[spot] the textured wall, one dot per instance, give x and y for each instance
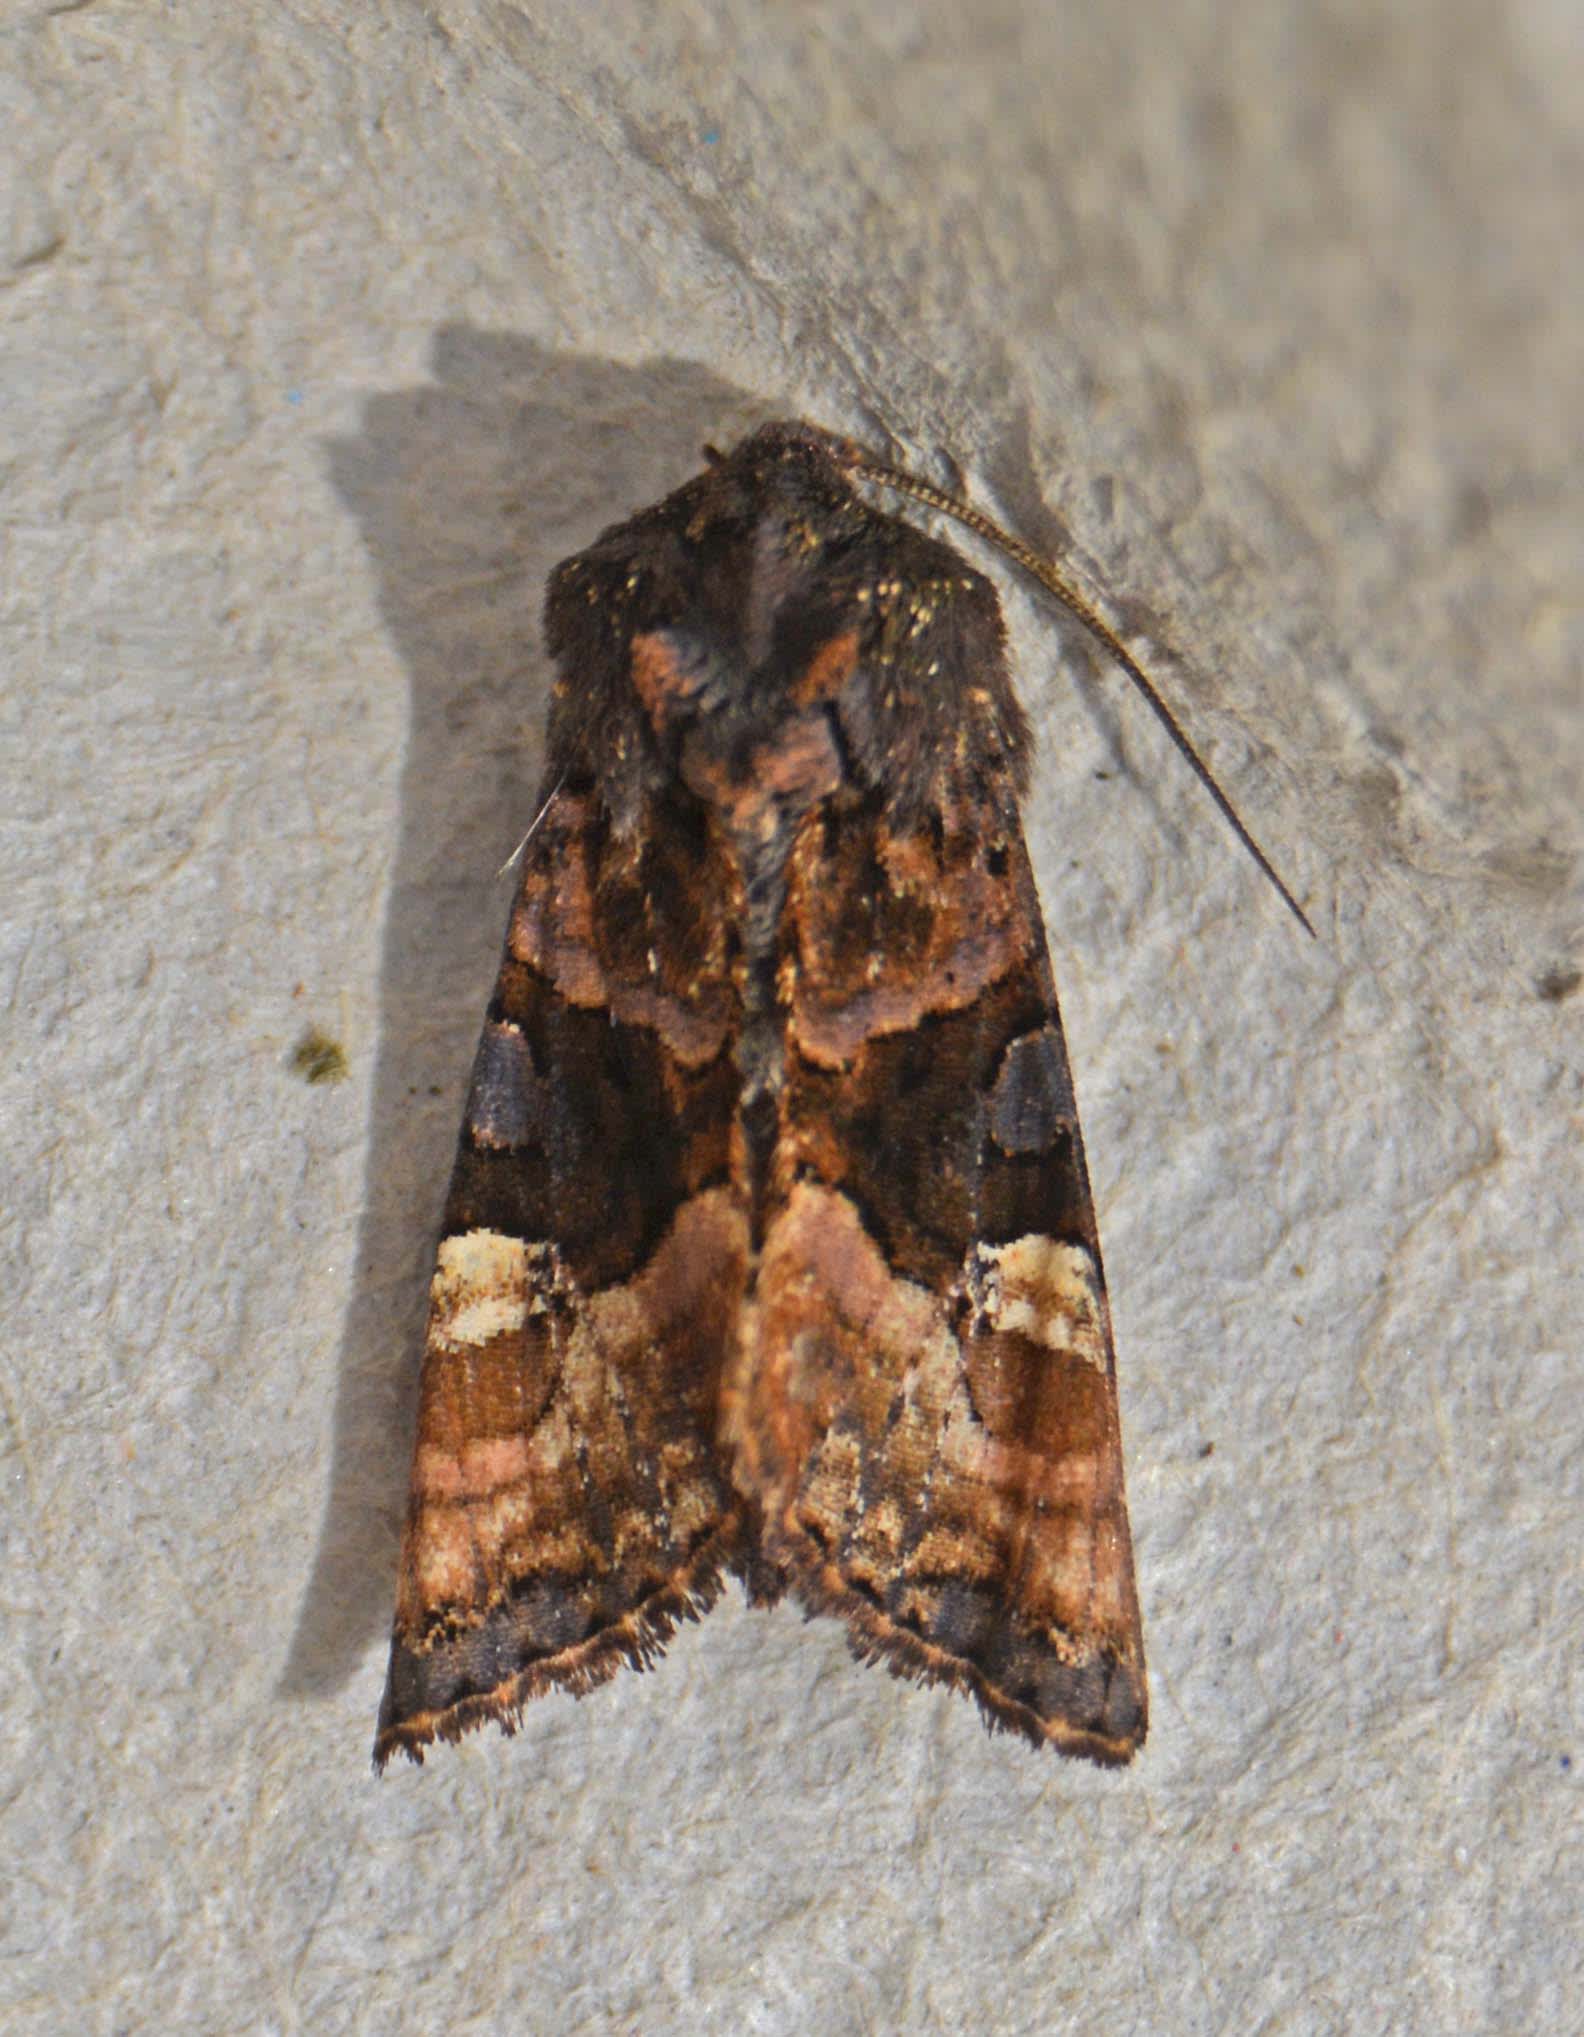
(326, 329)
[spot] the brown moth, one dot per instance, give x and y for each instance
(770, 1247)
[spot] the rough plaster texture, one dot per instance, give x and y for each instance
(326, 329)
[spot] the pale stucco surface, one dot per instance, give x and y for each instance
(325, 330)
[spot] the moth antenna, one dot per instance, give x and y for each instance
(533, 826)
(870, 467)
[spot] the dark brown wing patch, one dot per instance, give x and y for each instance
(924, 1403)
(568, 1500)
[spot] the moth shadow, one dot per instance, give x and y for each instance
(468, 489)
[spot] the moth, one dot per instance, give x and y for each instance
(770, 1248)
